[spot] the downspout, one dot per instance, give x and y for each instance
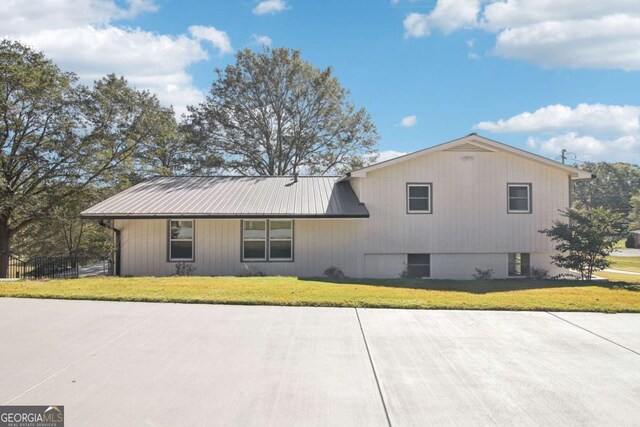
(118, 244)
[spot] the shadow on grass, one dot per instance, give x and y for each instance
(475, 286)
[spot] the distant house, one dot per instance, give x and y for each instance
(440, 212)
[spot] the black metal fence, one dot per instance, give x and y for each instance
(54, 267)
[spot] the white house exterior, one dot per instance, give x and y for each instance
(441, 213)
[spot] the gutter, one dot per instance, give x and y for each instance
(118, 244)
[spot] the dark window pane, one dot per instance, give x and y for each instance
(519, 191)
(181, 229)
(418, 259)
(418, 204)
(519, 205)
(280, 249)
(280, 229)
(418, 265)
(254, 250)
(181, 250)
(519, 264)
(421, 191)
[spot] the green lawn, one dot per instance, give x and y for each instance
(625, 263)
(396, 293)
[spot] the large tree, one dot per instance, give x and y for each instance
(273, 113)
(58, 137)
(612, 187)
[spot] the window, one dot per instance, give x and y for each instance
(254, 240)
(418, 198)
(280, 240)
(181, 240)
(519, 264)
(519, 198)
(277, 233)
(418, 265)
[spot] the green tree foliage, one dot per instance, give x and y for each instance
(634, 215)
(613, 187)
(58, 137)
(273, 113)
(586, 239)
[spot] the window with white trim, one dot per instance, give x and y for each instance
(419, 198)
(181, 240)
(280, 240)
(519, 198)
(519, 264)
(254, 240)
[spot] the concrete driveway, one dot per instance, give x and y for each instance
(126, 364)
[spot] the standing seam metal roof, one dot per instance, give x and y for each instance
(234, 196)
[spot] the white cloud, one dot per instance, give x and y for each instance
(408, 122)
(448, 15)
(589, 148)
(388, 155)
(269, 6)
(217, 38)
(592, 118)
(591, 131)
(553, 33)
(264, 41)
(80, 36)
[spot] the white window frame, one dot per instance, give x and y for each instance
(430, 198)
(192, 240)
(290, 240)
(265, 240)
(529, 191)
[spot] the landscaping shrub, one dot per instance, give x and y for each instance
(185, 269)
(334, 273)
(483, 274)
(539, 273)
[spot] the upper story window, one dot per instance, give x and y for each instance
(519, 198)
(181, 240)
(267, 240)
(419, 198)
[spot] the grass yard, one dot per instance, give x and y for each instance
(625, 263)
(394, 293)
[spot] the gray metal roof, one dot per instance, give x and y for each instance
(233, 196)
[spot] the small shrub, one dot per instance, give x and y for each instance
(249, 271)
(334, 273)
(483, 274)
(630, 242)
(185, 269)
(539, 273)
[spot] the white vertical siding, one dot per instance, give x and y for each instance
(469, 226)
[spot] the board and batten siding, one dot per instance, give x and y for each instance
(318, 244)
(469, 205)
(469, 225)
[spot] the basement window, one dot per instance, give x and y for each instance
(418, 265)
(181, 240)
(519, 264)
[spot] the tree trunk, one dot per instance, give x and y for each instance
(5, 238)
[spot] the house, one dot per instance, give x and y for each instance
(440, 212)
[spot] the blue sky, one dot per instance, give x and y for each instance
(538, 74)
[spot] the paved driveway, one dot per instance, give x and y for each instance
(172, 364)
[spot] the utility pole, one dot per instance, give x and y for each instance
(563, 155)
